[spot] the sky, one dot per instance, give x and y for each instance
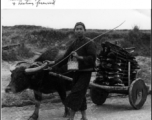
(66, 18)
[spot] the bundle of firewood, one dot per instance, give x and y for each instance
(113, 67)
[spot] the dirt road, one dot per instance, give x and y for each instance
(115, 108)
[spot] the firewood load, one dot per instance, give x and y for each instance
(113, 67)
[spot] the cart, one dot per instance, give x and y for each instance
(116, 65)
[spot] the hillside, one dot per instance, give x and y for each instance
(37, 39)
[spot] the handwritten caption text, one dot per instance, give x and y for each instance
(33, 3)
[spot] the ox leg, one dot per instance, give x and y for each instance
(38, 98)
(62, 94)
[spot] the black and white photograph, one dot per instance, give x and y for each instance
(75, 64)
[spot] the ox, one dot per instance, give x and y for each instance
(35, 77)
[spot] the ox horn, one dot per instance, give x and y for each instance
(17, 64)
(30, 70)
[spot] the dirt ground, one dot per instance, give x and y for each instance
(115, 108)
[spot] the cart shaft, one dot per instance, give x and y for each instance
(109, 88)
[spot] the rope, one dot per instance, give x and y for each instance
(86, 44)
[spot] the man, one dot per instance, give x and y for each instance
(86, 57)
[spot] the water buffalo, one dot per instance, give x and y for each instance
(35, 77)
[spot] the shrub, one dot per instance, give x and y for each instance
(17, 53)
(9, 55)
(134, 35)
(24, 52)
(140, 41)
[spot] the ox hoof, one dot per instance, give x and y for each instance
(33, 117)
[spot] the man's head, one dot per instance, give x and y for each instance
(79, 29)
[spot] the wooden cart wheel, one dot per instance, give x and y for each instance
(98, 96)
(137, 93)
